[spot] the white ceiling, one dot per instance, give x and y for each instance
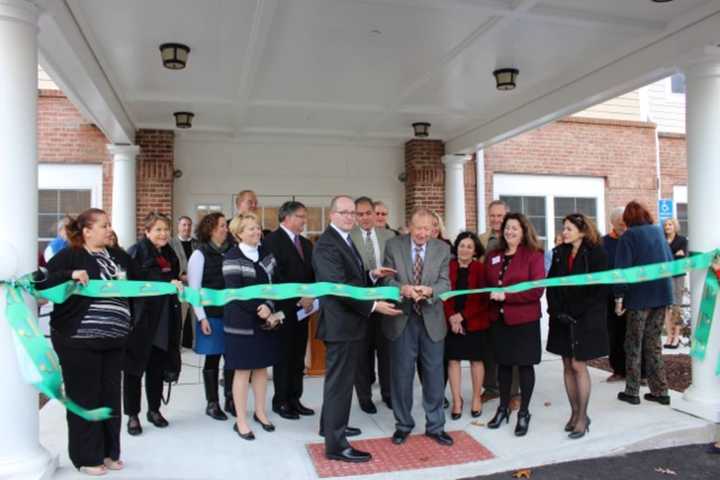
(360, 69)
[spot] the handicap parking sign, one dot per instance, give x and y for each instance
(665, 209)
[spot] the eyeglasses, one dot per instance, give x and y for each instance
(346, 213)
(381, 214)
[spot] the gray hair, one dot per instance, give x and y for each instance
(498, 202)
(289, 208)
(616, 214)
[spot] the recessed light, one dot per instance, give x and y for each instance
(375, 31)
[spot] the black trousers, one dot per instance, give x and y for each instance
(374, 345)
(92, 380)
(153, 384)
(341, 359)
(289, 372)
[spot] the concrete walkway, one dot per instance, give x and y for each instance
(196, 447)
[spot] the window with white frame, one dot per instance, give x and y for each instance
(681, 203)
(65, 189)
(546, 199)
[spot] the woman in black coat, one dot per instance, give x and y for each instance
(154, 345)
(89, 336)
(578, 330)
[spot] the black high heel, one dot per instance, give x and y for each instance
(570, 425)
(456, 416)
(523, 424)
(575, 434)
(268, 427)
(502, 414)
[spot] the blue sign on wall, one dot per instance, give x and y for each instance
(665, 209)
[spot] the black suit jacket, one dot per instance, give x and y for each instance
(341, 319)
(291, 268)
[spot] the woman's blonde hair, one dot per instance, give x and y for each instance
(676, 224)
(240, 222)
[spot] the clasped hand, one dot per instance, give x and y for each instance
(416, 293)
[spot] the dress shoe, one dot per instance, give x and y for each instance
(286, 411)
(133, 426)
(268, 427)
(457, 415)
(631, 399)
(661, 399)
(157, 419)
(615, 377)
(502, 415)
(349, 432)
(441, 437)
(388, 402)
(245, 436)
(349, 455)
(399, 437)
(301, 409)
(230, 406)
(475, 413)
(368, 406)
(213, 410)
(523, 423)
(446, 403)
(575, 434)
(490, 395)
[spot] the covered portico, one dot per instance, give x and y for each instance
(310, 98)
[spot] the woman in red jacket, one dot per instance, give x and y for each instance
(467, 318)
(515, 317)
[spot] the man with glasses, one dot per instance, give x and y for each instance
(293, 254)
(370, 242)
(381, 216)
(343, 326)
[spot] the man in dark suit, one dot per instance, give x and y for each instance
(422, 266)
(370, 242)
(343, 326)
(293, 254)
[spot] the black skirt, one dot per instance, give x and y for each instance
(471, 346)
(589, 341)
(517, 344)
(246, 352)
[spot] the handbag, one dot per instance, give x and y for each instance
(566, 319)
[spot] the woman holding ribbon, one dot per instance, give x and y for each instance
(642, 244)
(89, 335)
(154, 345)
(251, 344)
(578, 330)
(205, 271)
(467, 318)
(515, 317)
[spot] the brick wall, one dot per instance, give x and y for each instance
(425, 182)
(155, 167)
(471, 219)
(673, 162)
(621, 152)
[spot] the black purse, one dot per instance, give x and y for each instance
(566, 319)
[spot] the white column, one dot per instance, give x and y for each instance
(124, 193)
(21, 455)
(703, 154)
(480, 190)
(454, 193)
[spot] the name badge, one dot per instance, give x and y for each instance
(495, 260)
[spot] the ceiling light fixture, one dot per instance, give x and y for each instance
(421, 129)
(174, 55)
(505, 78)
(183, 119)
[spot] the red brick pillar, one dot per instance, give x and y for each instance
(425, 176)
(155, 167)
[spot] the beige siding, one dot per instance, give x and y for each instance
(624, 107)
(667, 109)
(44, 80)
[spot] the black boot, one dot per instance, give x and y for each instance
(210, 379)
(229, 403)
(523, 423)
(502, 415)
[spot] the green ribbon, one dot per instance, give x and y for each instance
(44, 364)
(47, 377)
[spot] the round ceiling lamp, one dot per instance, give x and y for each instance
(183, 119)
(421, 129)
(505, 78)
(174, 55)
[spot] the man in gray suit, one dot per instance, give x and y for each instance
(370, 242)
(183, 244)
(422, 275)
